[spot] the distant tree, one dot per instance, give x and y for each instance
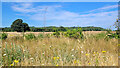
(19, 26)
(25, 27)
(62, 28)
(117, 24)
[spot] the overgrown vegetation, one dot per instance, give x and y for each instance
(66, 46)
(60, 51)
(4, 36)
(53, 29)
(30, 36)
(74, 33)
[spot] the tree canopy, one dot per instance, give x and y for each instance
(19, 26)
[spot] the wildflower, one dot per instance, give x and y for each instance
(43, 53)
(43, 64)
(72, 55)
(31, 58)
(72, 50)
(89, 63)
(4, 54)
(12, 64)
(86, 54)
(97, 53)
(57, 57)
(81, 51)
(57, 65)
(54, 58)
(16, 61)
(75, 61)
(103, 51)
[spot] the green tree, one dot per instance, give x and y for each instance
(62, 28)
(19, 26)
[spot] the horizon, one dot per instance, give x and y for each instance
(66, 14)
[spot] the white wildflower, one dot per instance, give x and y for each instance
(43, 64)
(72, 50)
(4, 54)
(81, 51)
(31, 58)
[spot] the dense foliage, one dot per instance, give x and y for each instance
(75, 33)
(54, 29)
(19, 26)
(4, 36)
(30, 36)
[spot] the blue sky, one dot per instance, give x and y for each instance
(100, 14)
(60, 0)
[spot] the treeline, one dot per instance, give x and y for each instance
(20, 26)
(54, 29)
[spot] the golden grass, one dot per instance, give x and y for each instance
(65, 51)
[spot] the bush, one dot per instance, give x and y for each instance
(40, 36)
(113, 35)
(56, 34)
(30, 36)
(48, 35)
(4, 36)
(74, 33)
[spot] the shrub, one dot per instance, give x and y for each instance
(40, 36)
(74, 33)
(56, 34)
(4, 36)
(113, 35)
(30, 36)
(48, 35)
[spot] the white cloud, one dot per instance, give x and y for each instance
(30, 8)
(105, 8)
(57, 16)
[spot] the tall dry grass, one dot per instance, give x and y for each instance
(61, 51)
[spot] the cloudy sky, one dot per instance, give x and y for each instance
(99, 14)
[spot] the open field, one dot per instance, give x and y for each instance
(10, 34)
(62, 51)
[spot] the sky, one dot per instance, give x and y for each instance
(60, 0)
(67, 14)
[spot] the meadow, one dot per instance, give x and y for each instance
(45, 49)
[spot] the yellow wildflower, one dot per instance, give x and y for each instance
(94, 52)
(57, 57)
(86, 54)
(97, 53)
(12, 64)
(89, 63)
(54, 58)
(16, 61)
(75, 61)
(103, 51)
(57, 65)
